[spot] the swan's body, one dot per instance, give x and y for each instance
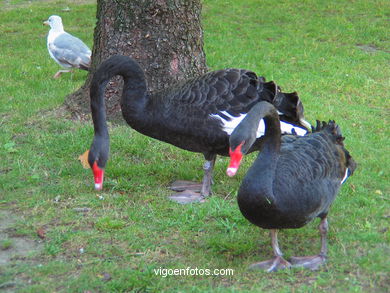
(192, 116)
(65, 49)
(292, 181)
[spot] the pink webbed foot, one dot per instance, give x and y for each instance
(312, 262)
(187, 192)
(181, 185)
(271, 265)
(187, 197)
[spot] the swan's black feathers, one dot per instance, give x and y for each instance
(319, 165)
(233, 91)
(228, 90)
(186, 110)
(289, 105)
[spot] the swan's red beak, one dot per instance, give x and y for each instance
(235, 160)
(98, 175)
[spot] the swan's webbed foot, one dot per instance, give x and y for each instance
(277, 262)
(187, 197)
(271, 265)
(312, 262)
(181, 185)
(187, 192)
(190, 192)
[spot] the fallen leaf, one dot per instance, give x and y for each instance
(41, 233)
(84, 160)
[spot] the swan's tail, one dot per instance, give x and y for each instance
(291, 108)
(288, 105)
(334, 132)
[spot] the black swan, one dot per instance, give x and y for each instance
(292, 181)
(197, 115)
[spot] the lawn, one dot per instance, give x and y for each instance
(58, 235)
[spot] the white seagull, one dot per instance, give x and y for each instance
(65, 49)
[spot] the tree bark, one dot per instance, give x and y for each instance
(164, 36)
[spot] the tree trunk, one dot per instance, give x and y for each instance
(164, 36)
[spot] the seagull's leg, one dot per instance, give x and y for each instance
(275, 263)
(315, 261)
(189, 191)
(59, 72)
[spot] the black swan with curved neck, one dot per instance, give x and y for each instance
(197, 115)
(292, 181)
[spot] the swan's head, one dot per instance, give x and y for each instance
(236, 155)
(55, 22)
(240, 141)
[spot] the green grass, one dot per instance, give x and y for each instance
(5, 244)
(334, 53)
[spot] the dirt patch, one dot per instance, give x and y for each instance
(11, 246)
(370, 48)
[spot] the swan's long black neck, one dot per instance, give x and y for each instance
(132, 102)
(259, 178)
(134, 89)
(272, 135)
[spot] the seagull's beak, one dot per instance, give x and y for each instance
(45, 22)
